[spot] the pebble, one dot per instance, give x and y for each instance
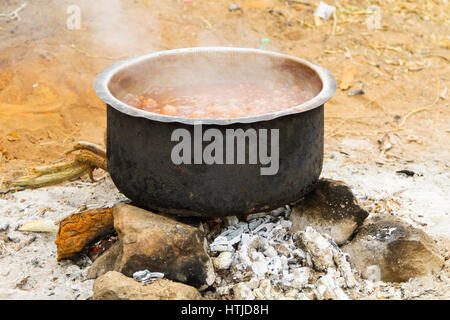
(234, 7)
(224, 260)
(242, 292)
(356, 92)
(301, 277)
(270, 252)
(225, 290)
(328, 287)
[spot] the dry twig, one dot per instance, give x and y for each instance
(405, 117)
(14, 14)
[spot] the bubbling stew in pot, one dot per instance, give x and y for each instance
(220, 101)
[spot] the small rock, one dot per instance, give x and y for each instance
(234, 7)
(318, 247)
(399, 250)
(331, 208)
(373, 273)
(327, 287)
(4, 227)
(116, 286)
(345, 269)
(154, 242)
(253, 283)
(222, 291)
(242, 292)
(264, 291)
(223, 261)
(301, 277)
(270, 252)
(283, 249)
(14, 238)
(260, 268)
(406, 173)
(356, 92)
(36, 263)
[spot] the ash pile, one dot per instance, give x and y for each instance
(324, 247)
(262, 259)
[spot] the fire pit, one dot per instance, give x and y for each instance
(206, 166)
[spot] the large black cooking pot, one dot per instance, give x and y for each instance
(139, 143)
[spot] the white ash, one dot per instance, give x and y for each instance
(260, 259)
(146, 277)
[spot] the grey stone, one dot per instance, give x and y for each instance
(398, 249)
(331, 208)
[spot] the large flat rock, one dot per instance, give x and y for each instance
(116, 286)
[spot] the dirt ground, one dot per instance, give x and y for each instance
(47, 102)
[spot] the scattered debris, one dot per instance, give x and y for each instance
(26, 243)
(39, 226)
(373, 21)
(26, 283)
(147, 277)
(324, 11)
(357, 92)
(90, 158)
(407, 173)
(443, 94)
(413, 138)
(385, 143)
(14, 15)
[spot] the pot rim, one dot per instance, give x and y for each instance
(103, 79)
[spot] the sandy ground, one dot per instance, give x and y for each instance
(33, 272)
(47, 103)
